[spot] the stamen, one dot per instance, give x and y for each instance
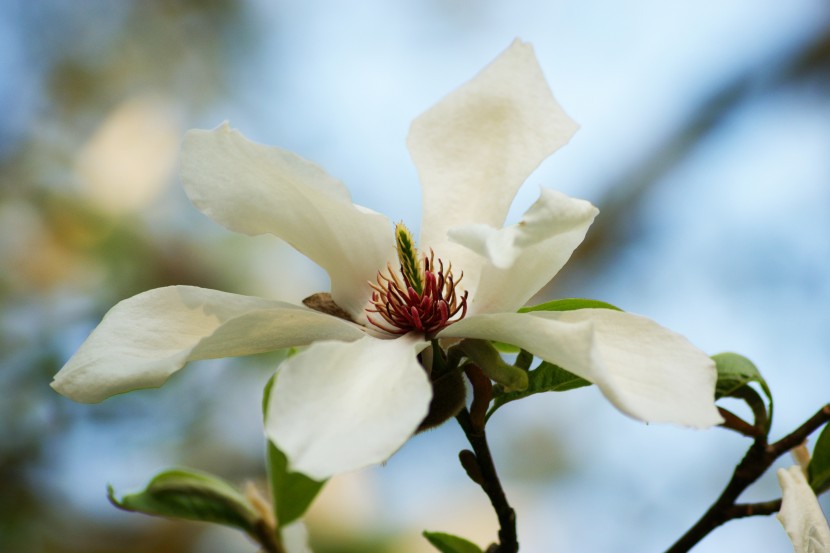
(422, 297)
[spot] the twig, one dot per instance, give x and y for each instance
(742, 510)
(264, 536)
(800, 434)
(488, 479)
(757, 460)
(739, 425)
(264, 532)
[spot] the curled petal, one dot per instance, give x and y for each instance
(646, 371)
(144, 339)
(338, 406)
(800, 513)
(475, 148)
(255, 189)
(522, 258)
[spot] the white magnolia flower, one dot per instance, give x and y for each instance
(801, 514)
(358, 392)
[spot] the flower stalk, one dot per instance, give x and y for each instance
(480, 467)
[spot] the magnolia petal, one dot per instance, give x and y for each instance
(337, 406)
(255, 189)
(475, 148)
(522, 258)
(646, 371)
(801, 514)
(295, 538)
(145, 339)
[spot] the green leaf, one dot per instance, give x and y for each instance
(191, 495)
(506, 348)
(547, 377)
(818, 470)
(736, 371)
(569, 304)
(292, 492)
(524, 360)
(447, 543)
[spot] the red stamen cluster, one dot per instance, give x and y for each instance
(405, 310)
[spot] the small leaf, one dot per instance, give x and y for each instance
(818, 470)
(547, 377)
(505, 348)
(569, 304)
(736, 371)
(292, 492)
(191, 495)
(524, 360)
(447, 543)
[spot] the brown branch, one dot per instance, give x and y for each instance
(743, 510)
(739, 425)
(264, 535)
(488, 479)
(757, 460)
(800, 434)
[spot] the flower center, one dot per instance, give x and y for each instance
(421, 297)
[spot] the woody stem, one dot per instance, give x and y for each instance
(482, 470)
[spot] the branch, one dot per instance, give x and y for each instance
(739, 425)
(266, 537)
(742, 510)
(800, 434)
(755, 463)
(488, 479)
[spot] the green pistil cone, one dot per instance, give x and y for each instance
(408, 257)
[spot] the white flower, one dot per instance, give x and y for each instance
(358, 393)
(801, 514)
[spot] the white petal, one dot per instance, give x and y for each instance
(255, 189)
(475, 148)
(146, 338)
(295, 538)
(647, 372)
(337, 406)
(522, 258)
(801, 514)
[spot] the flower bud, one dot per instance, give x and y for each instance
(448, 395)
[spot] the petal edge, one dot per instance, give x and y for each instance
(648, 372)
(475, 147)
(337, 406)
(144, 339)
(256, 189)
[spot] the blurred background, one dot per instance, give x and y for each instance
(705, 143)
